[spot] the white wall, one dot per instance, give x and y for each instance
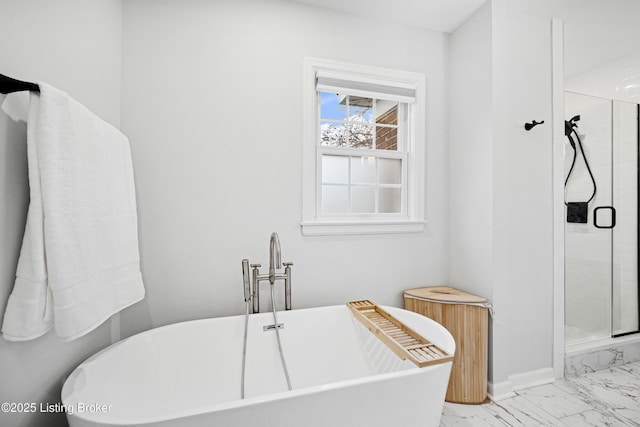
(75, 46)
(501, 208)
(212, 104)
(596, 32)
(471, 156)
(528, 201)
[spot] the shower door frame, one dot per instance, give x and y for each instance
(623, 334)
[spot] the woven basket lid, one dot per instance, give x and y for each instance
(444, 294)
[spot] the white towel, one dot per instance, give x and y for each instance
(79, 262)
(16, 105)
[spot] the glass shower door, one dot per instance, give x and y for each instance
(625, 233)
(588, 250)
(601, 250)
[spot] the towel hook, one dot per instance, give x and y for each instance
(9, 84)
(529, 126)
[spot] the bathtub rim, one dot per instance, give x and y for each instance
(109, 419)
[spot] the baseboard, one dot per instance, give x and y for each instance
(501, 390)
(506, 389)
(532, 378)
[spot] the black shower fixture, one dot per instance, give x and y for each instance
(577, 211)
(568, 128)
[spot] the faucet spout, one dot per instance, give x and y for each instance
(274, 256)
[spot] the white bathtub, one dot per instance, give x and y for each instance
(188, 374)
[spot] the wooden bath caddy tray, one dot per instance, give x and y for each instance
(404, 342)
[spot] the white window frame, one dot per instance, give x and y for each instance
(411, 219)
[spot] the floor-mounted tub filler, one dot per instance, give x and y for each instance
(188, 374)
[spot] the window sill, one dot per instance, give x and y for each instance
(331, 228)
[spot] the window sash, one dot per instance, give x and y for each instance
(349, 153)
(402, 127)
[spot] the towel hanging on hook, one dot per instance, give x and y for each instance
(9, 85)
(79, 261)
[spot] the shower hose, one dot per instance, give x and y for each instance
(570, 128)
(244, 347)
(275, 321)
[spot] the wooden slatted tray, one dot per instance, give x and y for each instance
(404, 342)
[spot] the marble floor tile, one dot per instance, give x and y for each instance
(615, 391)
(593, 418)
(519, 411)
(556, 401)
(610, 397)
(632, 369)
(456, 415)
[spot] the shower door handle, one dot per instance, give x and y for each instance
(613, 217)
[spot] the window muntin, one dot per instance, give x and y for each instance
(349, 121)
(358, 175)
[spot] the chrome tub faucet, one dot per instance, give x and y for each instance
(252, 287)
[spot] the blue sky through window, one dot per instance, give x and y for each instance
(359, 107)
(330, 107)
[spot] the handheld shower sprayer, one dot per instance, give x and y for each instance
(246, 280)
(568, 129)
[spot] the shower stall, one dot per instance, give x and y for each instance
(601, 241)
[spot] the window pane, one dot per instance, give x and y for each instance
(360, 136)
(386, 112)
(389, 200)
(363, 199)
(386, 138)
(363, 170)
(330, 106)
(333, 134)
(335, 170)
(390, 171)
(360, 109)
(335, 199)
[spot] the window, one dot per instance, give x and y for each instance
(363, 149)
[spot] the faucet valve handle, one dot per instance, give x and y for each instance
(287, 264)
(256, 265)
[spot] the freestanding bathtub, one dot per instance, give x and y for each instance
(188, 374)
